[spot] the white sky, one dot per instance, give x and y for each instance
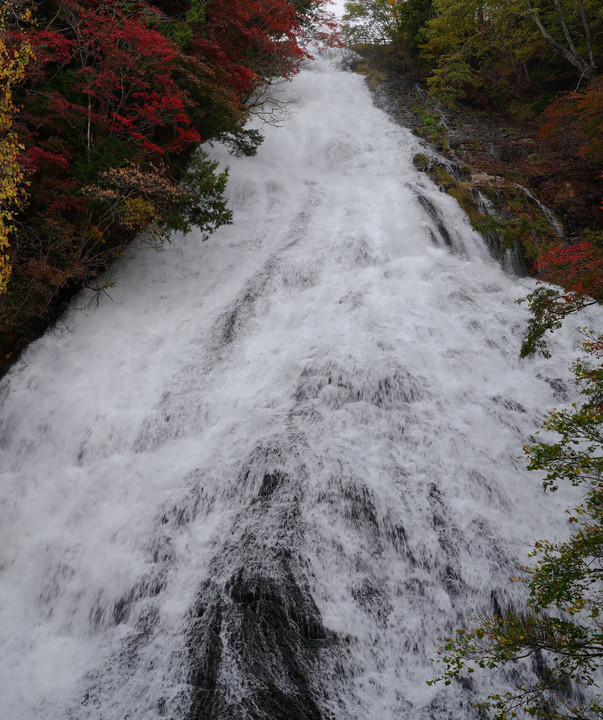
(337, 6)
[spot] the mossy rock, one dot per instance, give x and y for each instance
(515, 176)
(442, 177)
(461, 193)
(421, 162)
(491, 193)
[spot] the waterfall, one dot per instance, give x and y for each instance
(271, 470)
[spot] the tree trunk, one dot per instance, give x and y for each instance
(566, 33)
(574, 58)
(89, 128)
(589, 42)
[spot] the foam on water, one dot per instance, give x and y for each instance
(275, 467)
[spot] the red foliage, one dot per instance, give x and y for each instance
(36, 157)
(126, 69)
(578, 268)
(121, 75)
(122, 69)
(49, 47)
(115, 83)
(323, 27)
(250, 41)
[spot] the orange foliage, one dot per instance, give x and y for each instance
(582, 112)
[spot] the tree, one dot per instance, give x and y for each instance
(567, 30)
(369, 21)
(562, 624)
(100, 96)
(473, 44)
(115, 99)
(578, 268)
(12, 69)
(579, 116)
(106, 69)
(135, 199)
(413, 16)
(469, 38)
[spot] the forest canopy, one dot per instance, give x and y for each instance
(471, 42)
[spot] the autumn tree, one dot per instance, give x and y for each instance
(100, 95)
(561, 626)
(578, 116)
(114, 102)
(577, 274)
(467, 39)
(12, 70)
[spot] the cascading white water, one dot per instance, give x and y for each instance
(264, 477)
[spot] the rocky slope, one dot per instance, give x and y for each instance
(521, 190)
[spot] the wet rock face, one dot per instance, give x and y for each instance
(266, 629)
(501, 146)
(256, 631)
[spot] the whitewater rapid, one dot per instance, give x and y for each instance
(265, 475)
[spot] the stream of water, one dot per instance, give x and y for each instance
(263, 477)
